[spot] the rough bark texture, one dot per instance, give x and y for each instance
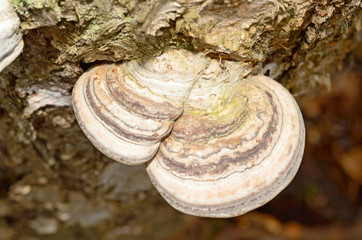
(53, 183)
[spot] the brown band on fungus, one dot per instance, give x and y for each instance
(233, 208)
(140, 105)
(191, 128)
(98, 108)
(252, 201)
(167, 156)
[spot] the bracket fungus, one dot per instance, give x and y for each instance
(11, 42)
(127, 109)
(220, 145)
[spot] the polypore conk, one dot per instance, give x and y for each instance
(126, 109)
(235, 143)
(11, 42)
(236, 146)
(234, 149)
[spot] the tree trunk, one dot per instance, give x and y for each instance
(53, 182)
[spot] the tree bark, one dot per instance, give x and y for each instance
(52, 180)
